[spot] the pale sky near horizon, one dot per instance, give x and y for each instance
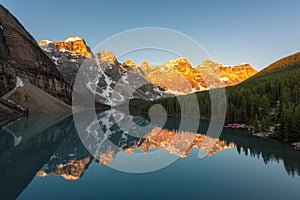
(232, 32)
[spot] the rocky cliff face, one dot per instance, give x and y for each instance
(207, 75)
(124, 81)
(75, 45)
(113, 77)
(160, 79)
(188, 79)
(68, 56)
(55, 72)
(20, 55)
(229, 75)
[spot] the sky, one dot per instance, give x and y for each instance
(232, 32)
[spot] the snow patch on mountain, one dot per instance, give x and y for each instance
(73, 38)
(19, 82)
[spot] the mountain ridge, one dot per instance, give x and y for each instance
(269, 102)
(195, 78)
(20, 55)
(188, 78)
(281, 64)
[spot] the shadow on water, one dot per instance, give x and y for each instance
(49, 145)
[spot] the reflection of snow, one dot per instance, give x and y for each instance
(225, 79)
(17, 140)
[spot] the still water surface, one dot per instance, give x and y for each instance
(43, 157)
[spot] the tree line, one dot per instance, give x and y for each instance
(268, 100)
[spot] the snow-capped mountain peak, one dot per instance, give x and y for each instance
(73, 39)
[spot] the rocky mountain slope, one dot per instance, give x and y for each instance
(122, 81)
(20, 55)
(75, 45)
(70, 54)
(207, 75)
(54, 70)
(35, 100)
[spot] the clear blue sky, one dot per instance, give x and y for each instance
(256, 31)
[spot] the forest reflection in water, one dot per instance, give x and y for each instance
(46, 145)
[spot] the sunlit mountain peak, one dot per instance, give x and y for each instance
(130, 63)
(74, 45)
(73, 39)
(107, 56)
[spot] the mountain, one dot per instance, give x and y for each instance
(70, 54)
(75, 45)
(187, 78)
(21, 56)
(205, 76)
(53, 66)
(282, 64)
(229, 75)
(268, 100)
(124, 81)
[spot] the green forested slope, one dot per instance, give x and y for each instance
(270, 98)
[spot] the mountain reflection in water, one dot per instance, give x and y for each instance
(48, 145)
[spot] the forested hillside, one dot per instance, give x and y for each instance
(271, 98)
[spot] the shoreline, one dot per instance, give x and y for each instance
(266, 135)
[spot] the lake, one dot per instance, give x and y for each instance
(51, 157)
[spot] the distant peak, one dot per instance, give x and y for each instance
(107, 56)
(182, 59)
(244, 64)
(179, 61)
(73, 39)
(144, 63)
(130, 63)
(208, 60)
(44, 42)
(74, 45)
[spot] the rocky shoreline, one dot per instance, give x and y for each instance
(295, 145)
(9, 112)
(261, 134)
(7, 117)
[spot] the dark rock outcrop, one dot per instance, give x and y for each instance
(20, 55)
